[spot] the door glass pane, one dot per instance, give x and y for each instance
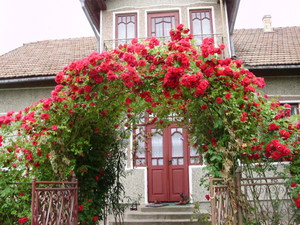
(157, 149)
(177, 143)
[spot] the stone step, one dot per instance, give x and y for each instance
(181, 208)
(165, 215)
(161, 222)
(159, 215)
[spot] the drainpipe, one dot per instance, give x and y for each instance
(223, 18)
(95, 30)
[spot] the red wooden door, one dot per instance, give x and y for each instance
(167, 164)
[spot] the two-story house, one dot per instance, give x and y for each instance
(165, 165)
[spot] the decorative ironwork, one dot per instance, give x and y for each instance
(263, 200)
(54, 203)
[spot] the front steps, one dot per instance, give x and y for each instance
(165, 215)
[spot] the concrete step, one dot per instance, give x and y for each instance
(181, 208)
(159, 215)
(165, 215)
(160, 222)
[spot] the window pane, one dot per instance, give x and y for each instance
(122, 31)
(206, 26)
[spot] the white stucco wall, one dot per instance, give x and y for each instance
(19, 98)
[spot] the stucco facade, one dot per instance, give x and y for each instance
(17, 99)
(143, 8)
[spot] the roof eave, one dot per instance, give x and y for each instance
(232, 10)
(92, 9)
(273, 67)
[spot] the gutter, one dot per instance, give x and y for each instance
(27, 80)
(274, 67)
(95, 30)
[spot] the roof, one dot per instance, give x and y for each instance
(44, 58)
(257, 48)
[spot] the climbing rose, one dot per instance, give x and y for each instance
(23, 220)
(273, 126)
(293, 184)
(95, 218)
(228, 95)
(45, 116)
(80, 207)
(284, 134)
(219, 100)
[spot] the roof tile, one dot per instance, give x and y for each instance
(44, 58)
(258, 48)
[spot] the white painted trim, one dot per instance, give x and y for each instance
(191, 167)
(290, 101)
(158, 5)
(122, 13)
(147, 11)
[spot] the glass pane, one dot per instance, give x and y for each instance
(206, 26)
(193, 151)
(121, 31)
(160, 162)
(196, 27)
(177, 145)
(130, 31)
(159, 30)
(157, 145)
(180, 161)
(174, 161)
(140, 151)
(154, 162)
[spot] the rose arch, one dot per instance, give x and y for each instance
(98, 101)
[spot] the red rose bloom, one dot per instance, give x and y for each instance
(219, 100)
(23, 220)
(228, 95)
(293, 184)
(207, 197)
(80, 207)
(45, 116)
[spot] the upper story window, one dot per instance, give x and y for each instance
(201, 24)
(160, 24)
(126, 27)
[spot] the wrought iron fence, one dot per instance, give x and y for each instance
(111, 44)
(54, 203)
(262, 200)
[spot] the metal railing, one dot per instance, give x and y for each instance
(263, 200)
(197, 40)
(54, 203)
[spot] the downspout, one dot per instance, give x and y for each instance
(97, 34)
(223, 22)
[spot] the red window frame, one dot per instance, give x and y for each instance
(161, 14)
(209, 11)
(127, 22)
